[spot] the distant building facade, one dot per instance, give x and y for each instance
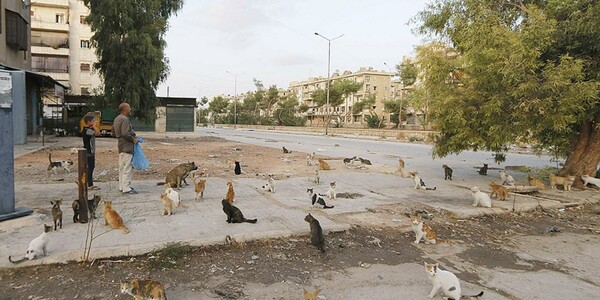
(15, 34)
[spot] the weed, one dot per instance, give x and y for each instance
(168, 256)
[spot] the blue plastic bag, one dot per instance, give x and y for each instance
(139, 160)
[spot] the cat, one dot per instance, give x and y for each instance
(237, 169)
(230, 195)
(314, 295)
(566, 182)
(75, 206)
(177, 175)
(480, 198)
(316, 233)
(56, 213)
(174, 196)
(483, 170)
(589, 179)
(323, 165)
(499, 191)
(317, 177)
(331, 195)
(112, 218)
(317, 198)
(348, 161)
(447, 281)
(93, 205)
(419, 183)
(535, 182)
(400, 170)
(55, 165)
(169, 207)
(447, 172)
(234, 214)
(285, 150)
(199, 186)
(144, 289)
(365, 161)
(506, 179)
(310, 159)
(37, 247)
(422, 231)
(270, 185)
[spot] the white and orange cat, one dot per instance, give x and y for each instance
(174, 195)
(447, 281)
(230, 195)
(169, 206)
(144, 289)
(566, 182)
(112, 218)
(499, 191)
(422, 231)
(199, 185)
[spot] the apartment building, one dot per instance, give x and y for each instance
(60, 44)
(14, 34)
(374, 82)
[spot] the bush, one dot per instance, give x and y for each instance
(374, 121)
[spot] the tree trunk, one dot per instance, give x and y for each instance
(585, 153)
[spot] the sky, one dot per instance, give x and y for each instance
(273, 41)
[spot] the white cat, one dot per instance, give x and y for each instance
(331, 195)
(310, 159)
(589, 179)
(317, 178)
(507, 179)
(270, 185)
(419, 183)
(173, 195)
(482, 199)
(38, 247)
(445, 280)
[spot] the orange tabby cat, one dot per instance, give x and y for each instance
(112, 218)
(535, 182)
(230, 196)
(314, 295)
(422, 231)
(323, 165)
(566, 182)
(200, 187)
(499, 191)
(144, 289)
(169, 207)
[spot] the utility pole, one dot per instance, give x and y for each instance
(235, 75)
(328, 77)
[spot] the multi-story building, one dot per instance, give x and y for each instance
(374, 83)
(60, 44)
(14, 34)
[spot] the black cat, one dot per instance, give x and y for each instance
(234, 214)
(316, 233)
(483, 170)
(447, 172)
(285, 150)
(238, 168)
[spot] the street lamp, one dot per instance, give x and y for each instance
(328, 70)
(394, 96)
(235, 75)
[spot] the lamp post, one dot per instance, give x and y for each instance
(328, 70)
(235, 75)
(394, 96)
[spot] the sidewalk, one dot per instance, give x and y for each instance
(279, 214)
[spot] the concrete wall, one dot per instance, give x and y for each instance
(160, 124)
(9, 56)
(19, 107)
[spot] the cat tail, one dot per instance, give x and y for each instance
(500, 207)
(431, 189)
(325, 206)
(160, 183)
(250, 220)
(472, 296)
(440, 241)
(16, 261)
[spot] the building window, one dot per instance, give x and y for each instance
(85, 44)
(367, 78)
(374, 88)
(16, 31)
(82, 19)
(50, 64)
(60, 18)
(85, 67)
(85, 90)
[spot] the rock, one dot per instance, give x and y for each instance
(551, 229)
(255, 257)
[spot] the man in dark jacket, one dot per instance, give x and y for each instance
(124, 132)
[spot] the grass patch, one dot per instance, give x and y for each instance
(169, 256)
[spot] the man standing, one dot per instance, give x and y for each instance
(126, 135)
(89, 133)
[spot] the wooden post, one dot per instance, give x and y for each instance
(82, 183)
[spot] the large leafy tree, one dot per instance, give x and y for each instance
(338, 90)
(508, 71)
(129, 41)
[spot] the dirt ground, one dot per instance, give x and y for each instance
(214, 154)
(225, 271)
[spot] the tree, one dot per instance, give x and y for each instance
(286, 112)
(218, 105)
(338, 91)
(507, 71)
(408, 76)
(129, 42)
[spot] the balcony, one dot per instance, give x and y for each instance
(51, 3)
(49, 50)
(58, 76)
(47, 26)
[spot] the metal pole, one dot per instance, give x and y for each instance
(235, 102)
(82, 183)
(328, 72)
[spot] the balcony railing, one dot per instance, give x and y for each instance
(49, 50)
(51, 3)
(41, 25)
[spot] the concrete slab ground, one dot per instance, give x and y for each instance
(203, 222)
